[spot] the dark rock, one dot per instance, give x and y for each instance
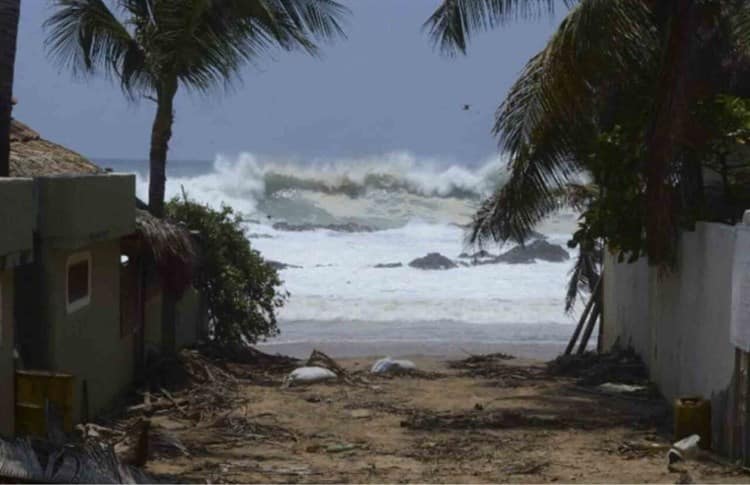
(389, 265)
(433, 261)
(279, 265)
(346, 227)
(256, 235)
(482, 254)
(539, 249)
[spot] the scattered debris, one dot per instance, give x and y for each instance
(621, 388)
(639, 449)
(684, 449)
(340, 447)
(320, 359)
(360, 414)
(474, 420)
(530, 468)
(246, 428)
(22, 460)
(494, 366)
(593, 369)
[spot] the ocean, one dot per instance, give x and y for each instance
(339, 301)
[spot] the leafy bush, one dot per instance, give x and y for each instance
(242, 290)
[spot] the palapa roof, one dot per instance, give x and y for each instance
(169, 244)
(33, 156)
(171, 247)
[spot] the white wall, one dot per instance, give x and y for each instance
(678, 321)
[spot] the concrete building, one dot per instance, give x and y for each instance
(16, 211)
(85, 304)
(68, 299)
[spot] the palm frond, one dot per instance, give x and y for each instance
(85, 33)
(549, 117)
(316, 19)
(454, 22)
(86, 36)
(206, 42)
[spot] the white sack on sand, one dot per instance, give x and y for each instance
(386, 365)
(309, 375)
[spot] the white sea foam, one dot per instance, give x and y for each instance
(338, 280)
(338, 294)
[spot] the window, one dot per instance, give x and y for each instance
(78, 283)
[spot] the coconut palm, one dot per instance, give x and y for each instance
(155, 47)
(632, 66)
(9, 13)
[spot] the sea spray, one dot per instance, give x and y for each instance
(417, 206)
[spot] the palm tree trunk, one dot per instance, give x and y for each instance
(161, 133)
(668, 124)
(9, 14)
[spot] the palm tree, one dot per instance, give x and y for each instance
(630, 67)
(605, 56)
(9, 13)
(154, 47)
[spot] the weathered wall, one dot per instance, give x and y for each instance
(152, 319)
(86, 343)
(77, 210)
(678, 322)
(7, 371)
(17, 215)
(188, 318)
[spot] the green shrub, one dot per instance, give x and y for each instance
(242, 290)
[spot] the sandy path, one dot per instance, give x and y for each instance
(520, 426)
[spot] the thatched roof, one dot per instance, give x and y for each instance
(33, 156)
(171, 248)
(170, 245)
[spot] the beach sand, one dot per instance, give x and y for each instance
(507, 422)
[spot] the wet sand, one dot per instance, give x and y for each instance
(441, 350)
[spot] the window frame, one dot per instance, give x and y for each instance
(74, 259)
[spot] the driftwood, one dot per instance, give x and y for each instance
(320, 359)
(595, 314)
(588, 319)
(582, 320)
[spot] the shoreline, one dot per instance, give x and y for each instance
(436, 350)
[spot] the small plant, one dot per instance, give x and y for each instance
(242, 289)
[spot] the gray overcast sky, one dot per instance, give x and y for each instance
(383, 89)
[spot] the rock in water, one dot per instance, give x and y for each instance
(481, 254)
(539, 249)
(344, 227)
(433, 261)
(277, 265)
(389, 265)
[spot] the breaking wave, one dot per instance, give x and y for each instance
(383, 191)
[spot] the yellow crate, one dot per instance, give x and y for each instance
(33, 389)
(692, 415)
